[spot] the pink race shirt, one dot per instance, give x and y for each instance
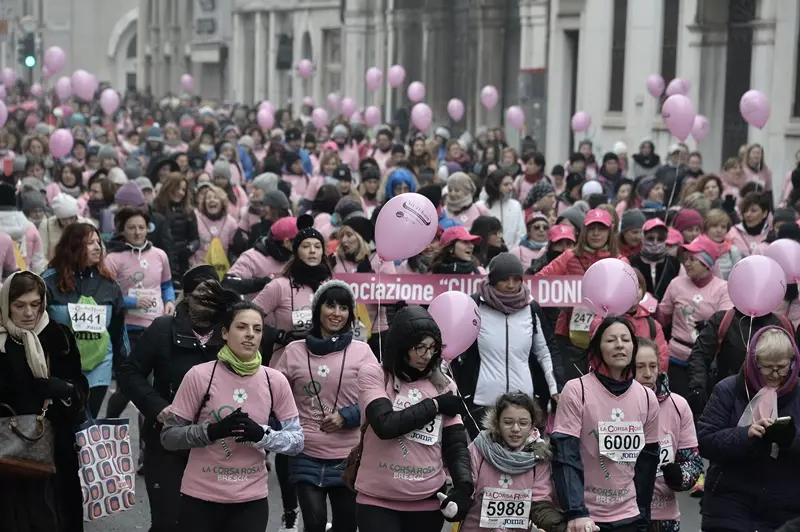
(676, 432)
(226, 471)
(315, 382)
(623, 425)
(285, 307)
(140, 275)
(402, 473)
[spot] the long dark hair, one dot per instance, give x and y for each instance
(483, 226)
(594, 355)
(70, 256)
(492, 187)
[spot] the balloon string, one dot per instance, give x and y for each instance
(378, 318)
(449, 372)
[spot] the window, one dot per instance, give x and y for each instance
(332, 53)
(796, 104)
(669, 40)
(617, 91)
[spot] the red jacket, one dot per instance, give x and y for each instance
(641, 326)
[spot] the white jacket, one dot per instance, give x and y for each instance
(510, 214)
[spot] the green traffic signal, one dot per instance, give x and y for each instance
(30, 61)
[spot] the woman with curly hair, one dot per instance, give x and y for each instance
(83, 295)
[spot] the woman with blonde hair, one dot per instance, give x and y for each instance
(716, 225)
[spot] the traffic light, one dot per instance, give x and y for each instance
(27, 50)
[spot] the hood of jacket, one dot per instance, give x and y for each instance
(118, 244)
(268, 247)
(408, 325)
(540, 446)
(14, 224)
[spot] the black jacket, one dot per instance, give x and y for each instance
(161, 237)
(183, 229)
(666, 271)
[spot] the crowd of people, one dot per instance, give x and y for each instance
(193, 257)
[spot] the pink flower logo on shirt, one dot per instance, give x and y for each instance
(506, 480)
(239, 395)
(323, 370)
(414, 396)
(617, 414)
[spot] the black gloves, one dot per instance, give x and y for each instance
(462, 497)
(54, 388)
(697, 402)
(450, 405)
(673, 476)
(781, 433)
(285, 337)
(250, 431)
(232, 425)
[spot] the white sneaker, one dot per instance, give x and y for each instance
(328, 527)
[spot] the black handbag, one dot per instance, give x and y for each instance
(27, 444)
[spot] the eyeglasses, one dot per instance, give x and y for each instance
(422, 350)
(540, 227)
(781, 371)
(524, 424)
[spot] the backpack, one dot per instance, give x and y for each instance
(20, 260)
(727, 319)
(216, 257)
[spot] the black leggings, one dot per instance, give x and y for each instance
(288, 493)
(163, 473)
(377, 519)
(96, 396)
(205, 516)
(315, 510)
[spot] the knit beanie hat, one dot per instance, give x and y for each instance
(32, 201)
(277, 199)
(575, 215)
(542, 188)
(65, 206)
(632, 219)
(305, 226)
(129, 194)
(573, 180)
(784, 215)
(503, 266)
(222, 168)
(324, 287)
(106, 151)
(117, 176)
(144, 183)
(347, 206)
(266, 182)
(361, 225)
(687, 218)
(132, 168)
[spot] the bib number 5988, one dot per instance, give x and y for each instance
(505, 508)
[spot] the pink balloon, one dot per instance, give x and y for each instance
(268, 105)
(3, 114)
(678, 113)
(265, 119)
(67, 110)
(36, 90)
(405, 226)
(581, 121)
(373, 77)
(46, 74)
(109, 101)
(396, 76)
(55, 59)
(422, 116)
(489, 97)
(515, 116)
(678, 86)
(83, 85)
(334, 100)
(9, 77)
(458, 319)
(610, 287)
(786, 252)
(305, 68)
(455, 108)
(319, 117)
(700, 128)
(755, 108)
(416, 92)
(348, 107)
(61, 143)
(309, 101)
(655, 85)
(357, 118)
(756, 285)
(372, 116)
(187, 83)
(63, 88)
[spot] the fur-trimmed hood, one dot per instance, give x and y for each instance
(536, 443)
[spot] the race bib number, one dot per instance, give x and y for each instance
(301, 319)
(87, 318)
(621, 440)
(427, 435)
(156, 307)
(360, 331)
(504, 508)
(666, 453)
(581, 319)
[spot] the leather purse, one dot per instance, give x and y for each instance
(27, 444)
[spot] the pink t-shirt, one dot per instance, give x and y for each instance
(140, 275)
(299, 185)
(401, 474)
(676, 432)
(226, 471)
(345, 266)
(335, 389)
(589, 412)
(208, 230)
(9, 259)
(280, 301)
(685, 304)
(489, 482)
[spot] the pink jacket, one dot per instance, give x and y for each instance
(253, 264)
(299, 185)
(8, 259)
(467, 216)
(382, 159)
(763, 177)
(527, 255)
(345, 266)
(52, 190)
(349, 156)
(27, 238)
(746, 243)
(279, 300)
(208, 229)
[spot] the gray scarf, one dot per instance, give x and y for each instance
(502, 458)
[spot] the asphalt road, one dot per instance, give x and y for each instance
(138, 517)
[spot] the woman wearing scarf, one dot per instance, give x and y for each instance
(413, 426)
(67, 180)
(755, 209)
(630, 232)
(511, 469)
(514, 346)
(646, 162)
(499, 189)
(689, 301)
(173, 202)
(459, 203)
(680, 464)
(748, 431)
(690, 224)
(528, 175)
(534, 244)
(755, 169)
(221, 413)
(259, 188)
(490, 231)
(214, 223)
(223, 177)
(83, 295)
(609, 174)
(716, 226)
(605, 438)
(40, 362)
(455, 255)
(327, 362)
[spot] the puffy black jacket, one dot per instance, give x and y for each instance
(666, 271)
(161, 237)
(183, 229)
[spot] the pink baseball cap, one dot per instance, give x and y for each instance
(560, 232)
(457, 233)
(654, 223)
(674, 237)
(284, 228)
(330, 146)
(705, 249)
(598, 216)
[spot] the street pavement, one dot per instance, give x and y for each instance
(138, 517)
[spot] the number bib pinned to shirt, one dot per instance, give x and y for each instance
(87, 318)
(620, 440)
(666, 453)
(156, 308)
(504, 508)
(301, 320)
(427, 435)
(579, 325)
(88, 322)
